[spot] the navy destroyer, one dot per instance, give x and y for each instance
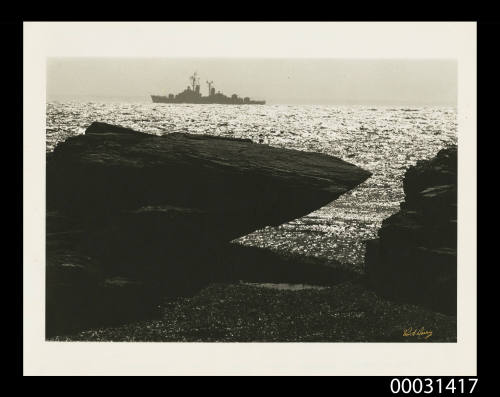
(192, 94)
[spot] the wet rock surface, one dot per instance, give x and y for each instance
(132, 217)
(415, 257)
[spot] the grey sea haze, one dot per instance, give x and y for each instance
(278, 81)
(385, 140)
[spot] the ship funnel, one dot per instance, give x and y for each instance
(210, 87)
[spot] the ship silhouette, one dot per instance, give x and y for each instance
(192, 94)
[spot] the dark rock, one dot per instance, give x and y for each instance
(414, 259)
(79, 294)
(83, 302)
(259, 265)
(165, 243)
(439, 171)
(141, 196)
(160, 211)
(104, 128)
(106, 171)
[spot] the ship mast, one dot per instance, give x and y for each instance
(194, 79)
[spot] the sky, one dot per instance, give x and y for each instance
(278, 81)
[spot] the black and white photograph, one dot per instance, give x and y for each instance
(196, 197)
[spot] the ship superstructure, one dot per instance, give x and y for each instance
(192, 94)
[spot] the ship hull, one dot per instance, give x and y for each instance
(203, 100)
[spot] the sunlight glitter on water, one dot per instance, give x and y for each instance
(383, 140)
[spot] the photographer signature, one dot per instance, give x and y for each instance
(417, 332)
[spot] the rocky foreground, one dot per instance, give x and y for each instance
(138, 245)
(346, 312)
(133, 218)
(415, 257)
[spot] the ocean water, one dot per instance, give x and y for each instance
(384, 140)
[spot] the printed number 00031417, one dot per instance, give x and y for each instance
(429, 385)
